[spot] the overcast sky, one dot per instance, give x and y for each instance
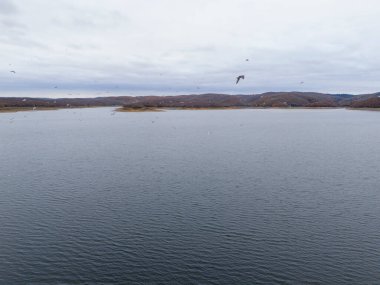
(114, 47)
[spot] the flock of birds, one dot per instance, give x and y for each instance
(241, 76)
(238, 78)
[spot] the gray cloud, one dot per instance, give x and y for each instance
(165, 46)
(11, 24)
(7, 7)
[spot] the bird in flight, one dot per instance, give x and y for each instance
(301, 82)
(12, 71)
(246, 59)
(238, 78)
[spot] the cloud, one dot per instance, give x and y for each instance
(7, 7)
(11, 24)
(164, 46)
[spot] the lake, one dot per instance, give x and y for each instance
(88, 196)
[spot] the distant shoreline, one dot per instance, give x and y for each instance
(163, 109)
(26, 109)
(209, 101)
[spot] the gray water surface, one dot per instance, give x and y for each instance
(190, 197)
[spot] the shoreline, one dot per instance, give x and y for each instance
(364, 109)
(26, 109)
(30, 109)
(163, 109)
(207, 101)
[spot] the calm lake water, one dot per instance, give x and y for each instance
(190, 197)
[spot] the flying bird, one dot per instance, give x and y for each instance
(13, 71)
(238, 78)
(301, 82)
(247, 59)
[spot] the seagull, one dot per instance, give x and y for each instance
(13, 71)
(301, 82)
(247, 59)
(238, 78)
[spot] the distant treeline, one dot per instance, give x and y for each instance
(265, 100)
